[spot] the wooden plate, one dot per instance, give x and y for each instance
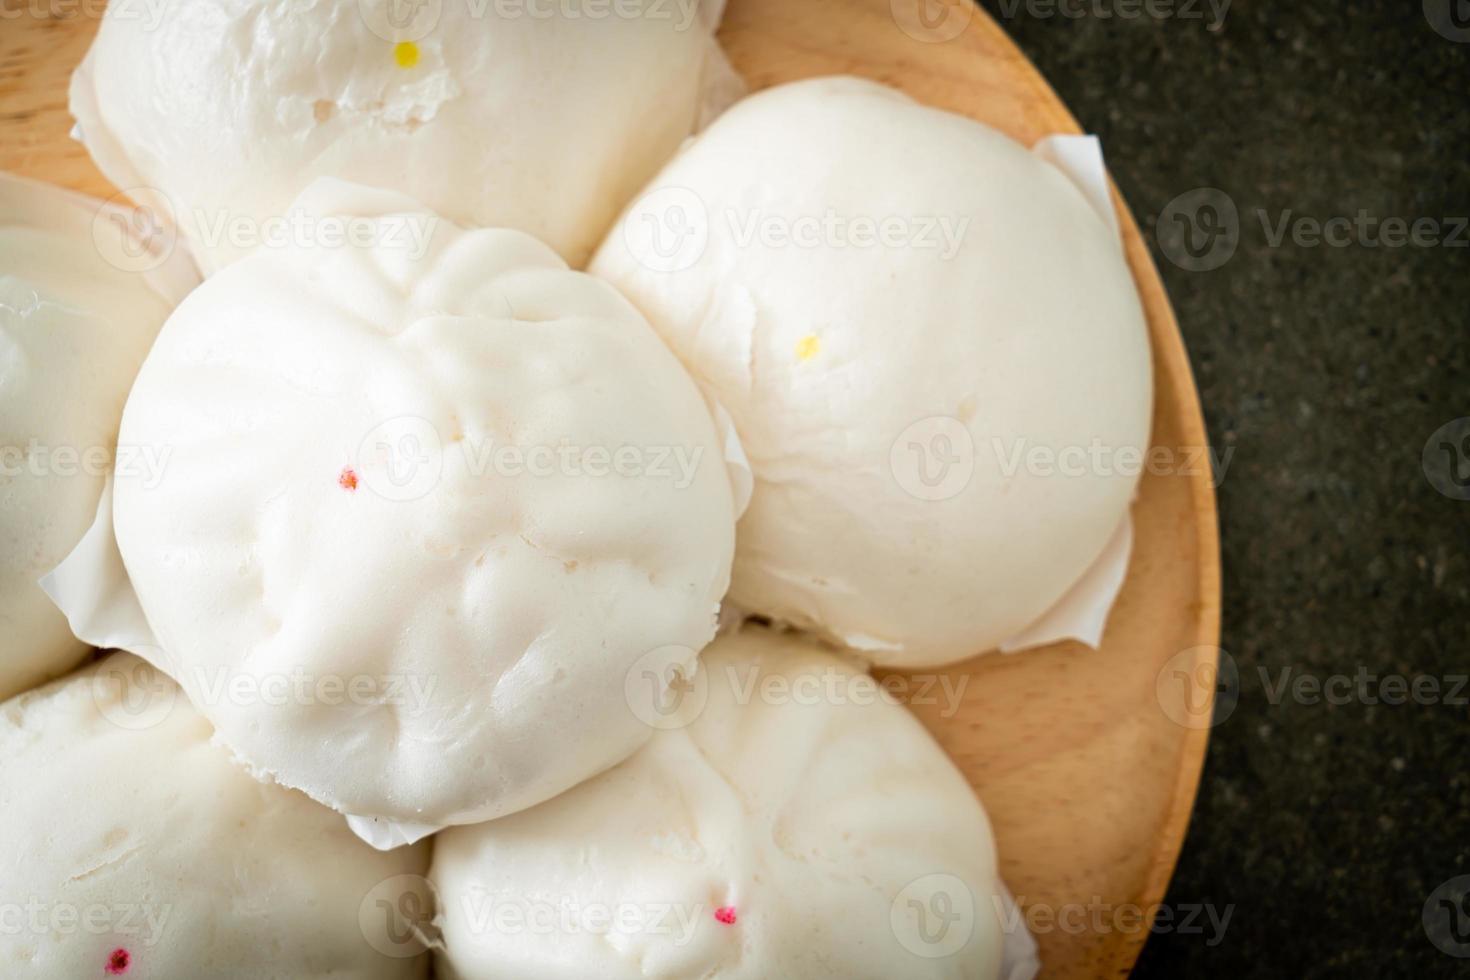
(1087, 761)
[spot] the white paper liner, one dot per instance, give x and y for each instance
(1082, 613)
(169, 271)
(737, 464)
(1081, 159)
(863, 643)
(1020, 957)
(386, 835)
(92, 589)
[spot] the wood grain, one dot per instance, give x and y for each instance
(1088, 777)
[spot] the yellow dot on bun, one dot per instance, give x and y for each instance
(808, 347)
(406, 54)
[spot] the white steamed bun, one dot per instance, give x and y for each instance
(133, 846)
(427, 500)
(74, 326)
(790, 821)
(897, 306)
(528, 114)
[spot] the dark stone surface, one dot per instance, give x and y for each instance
(1326, 369)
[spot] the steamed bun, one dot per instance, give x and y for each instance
(538, 116)
(789, 821)
(428, 498)
(74, 326)
(134, 846)
(898, 307)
